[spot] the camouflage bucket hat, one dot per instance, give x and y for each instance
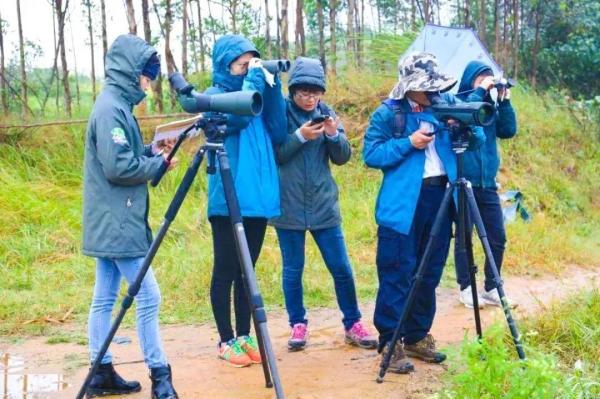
(420, 71)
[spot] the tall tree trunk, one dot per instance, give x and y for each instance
(157, 84)
(377, 5)
(515, 44)
(171, 67)
(468, 22)
(22, 61)
(482, 21)
(184, 43)
(91, 33)
(268, 30)
(201, 38)
(278, 25)
(332, 38)
(413, 15)
(77, 93)
(131, 17)
(361, 39)
(426, 11)
(536, 44)
(60, 13)
(496, 32)
(300, 43)
(350, 33)
(55, 64)
(232, 7)
(3, 94)
(193, 38)
(321, 25)
(284, 29)
(504, 44)
(104, 38)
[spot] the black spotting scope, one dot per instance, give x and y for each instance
(475, 113)
(276, 66)
(247, 103)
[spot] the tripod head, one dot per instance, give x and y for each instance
(460, 133)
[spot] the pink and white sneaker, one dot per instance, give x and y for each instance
(298, 337)
(359, 335)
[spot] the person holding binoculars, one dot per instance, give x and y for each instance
(414, 151)
(309, 202)
(117, 168)
(481, 167)
(249, 143)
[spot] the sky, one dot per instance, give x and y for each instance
(37, 27)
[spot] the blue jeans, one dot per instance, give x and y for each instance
(333, 250)
(398, 256)
(489, 206)
(108, 281)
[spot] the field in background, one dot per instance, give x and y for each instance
(554, 161)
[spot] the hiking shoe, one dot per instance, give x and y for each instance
(250, 346)
(399, 363)
(359, 335)
(466, 298)
(162, 383)
(493, 298)
(107, 382)
(232, 353)
(298, 337)
(425, 350)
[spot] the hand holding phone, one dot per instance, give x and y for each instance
(427, 127)
(319, 119)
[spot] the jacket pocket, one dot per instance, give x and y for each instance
(126, 211)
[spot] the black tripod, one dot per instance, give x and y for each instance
(214, 129)
(466, 203)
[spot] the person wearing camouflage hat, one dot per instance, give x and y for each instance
(414, 152)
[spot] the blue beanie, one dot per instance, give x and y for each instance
(152, 67)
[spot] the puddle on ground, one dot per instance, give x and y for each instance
(16, 383)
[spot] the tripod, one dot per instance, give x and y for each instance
(214, 129)
(466, 205)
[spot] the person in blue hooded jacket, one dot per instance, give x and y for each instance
(249, 143)
(480, 168)
(309, 202)
(416, 166)
(117, 167)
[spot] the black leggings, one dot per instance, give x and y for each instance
(227, 271)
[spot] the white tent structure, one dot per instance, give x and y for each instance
(454, 49)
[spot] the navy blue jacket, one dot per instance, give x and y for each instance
(402, 164)
(481, 166)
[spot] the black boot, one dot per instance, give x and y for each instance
(107, 382)
(162, 385)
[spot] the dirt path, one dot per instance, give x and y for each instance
(326, 369)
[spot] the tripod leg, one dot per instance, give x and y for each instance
(465, 246)
(437, 225)
(256, 302)
(474, 210)
(134, 288)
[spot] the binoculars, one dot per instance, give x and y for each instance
(246, 103)
(276, 66)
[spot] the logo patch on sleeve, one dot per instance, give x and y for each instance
(118, 136)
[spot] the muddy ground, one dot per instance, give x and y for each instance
(328, 368)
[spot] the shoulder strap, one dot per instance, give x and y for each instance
(399, 116)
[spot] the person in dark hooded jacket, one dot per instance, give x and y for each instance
(249, 143)
(309, 202)
(481, 167)
(116, 232)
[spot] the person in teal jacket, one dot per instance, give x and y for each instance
(117, 168)
(416, 166)
(249, 143)
(480, 168)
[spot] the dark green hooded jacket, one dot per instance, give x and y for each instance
(117, 165)
(309, 194)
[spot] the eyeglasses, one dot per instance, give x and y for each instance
(307, 95)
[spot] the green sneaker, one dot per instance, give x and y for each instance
(249, 345)
(232, 353)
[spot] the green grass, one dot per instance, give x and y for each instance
(562, 357)
(45, 274)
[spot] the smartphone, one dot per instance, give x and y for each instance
(428, 127)
(319, 119)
